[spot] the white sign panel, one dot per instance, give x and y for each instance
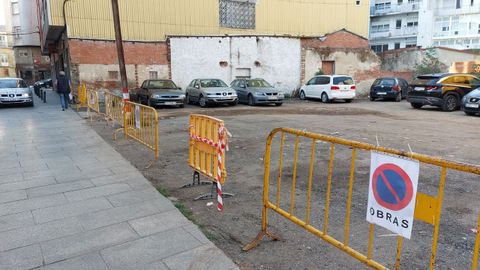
(137, 116)
(392, 192)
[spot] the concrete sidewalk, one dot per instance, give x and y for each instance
(68, 200)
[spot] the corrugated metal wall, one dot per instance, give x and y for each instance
(152, 20)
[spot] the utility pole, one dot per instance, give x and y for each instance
(121, 56)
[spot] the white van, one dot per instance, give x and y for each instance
(329, 87)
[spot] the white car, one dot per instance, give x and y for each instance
(329, 87)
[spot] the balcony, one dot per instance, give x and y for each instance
(453, 11)
(404, 32)
(395, 9)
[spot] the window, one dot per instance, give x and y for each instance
(113, 75)
(16, 31)
(358, 2)
(398, 24)
(379, 48)
(312, 81)
(380, 28)
(15, 9)
(323, 80)
(479, 28)
(471, 3)
(459, 4)
(412, 24)
(3, 41)
(410, 45)
(153, 75)
(397, 46)
(383, 6)
(400, 2)
(236, 14)
(3, 60)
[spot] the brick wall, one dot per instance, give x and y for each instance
(105, 52)
(339, 39)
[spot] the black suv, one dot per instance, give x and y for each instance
(444, 90)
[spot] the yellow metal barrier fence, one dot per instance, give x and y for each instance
(93, 101)
(114, 108)
(81, 96)
(204, 140)
(428, 208)
(141, 124)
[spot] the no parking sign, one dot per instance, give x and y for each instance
(392, 192)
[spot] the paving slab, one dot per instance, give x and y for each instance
(68, 200)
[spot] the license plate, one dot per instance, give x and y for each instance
(419, 88)
(472, 105)
(381, 93)
(272, 98)
(170, 103)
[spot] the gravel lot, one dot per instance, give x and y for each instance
(452, 136)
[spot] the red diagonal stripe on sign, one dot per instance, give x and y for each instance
(384, 179)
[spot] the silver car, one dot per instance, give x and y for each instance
(210, 91)
(15, 91)
(257, 91)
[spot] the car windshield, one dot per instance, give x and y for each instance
(162, 85)
(258, 83)
(426, 80)
(387, 82)
(212, 83)
(12, 84)
(343, 80)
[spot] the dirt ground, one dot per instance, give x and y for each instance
(452, 136)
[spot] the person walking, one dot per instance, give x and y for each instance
(63, 89)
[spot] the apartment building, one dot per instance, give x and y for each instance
(450, 23)
(396, 24)
(393, 24)
(7, 59)
(31, 65)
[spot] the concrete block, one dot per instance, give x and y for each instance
(136, 196)
(82, 243)
(48, 180)
(21, 258)
(88, 193)
(70, 210)
(58, 188)
(204, 257)
(158, 265)
(122, 214)
(12, 196)
(15, 177)
(32, 204)
(149, 249)
(91, 261)
(38, 233)
(14, 221)
(158, 223)
(114, 178)
(196, 232)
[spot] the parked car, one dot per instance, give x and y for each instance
(159, 93)
(210, 91)
(329, 87)
(15, 91)
(46, 83)
(471, 102)
(389, 88)
(257, 91)
(444, 90)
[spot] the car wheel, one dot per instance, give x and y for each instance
(302, 95)
(278, 104)
(251, 101)
(470, 113)
(325, 98)
(372, 99)
(348, 100)
(398, 98)
(450, 103)
(202, 101)
(149, 104)
(416, 105)
(234, 103)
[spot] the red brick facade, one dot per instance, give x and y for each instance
(339, 39)
(104, 52)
